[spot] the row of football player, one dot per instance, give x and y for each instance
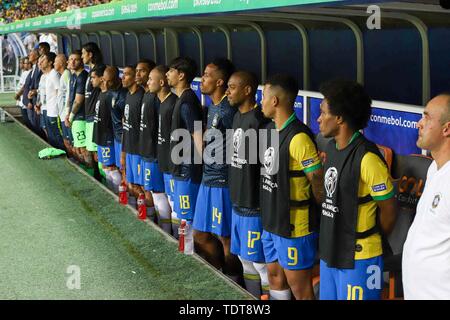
(266, 224)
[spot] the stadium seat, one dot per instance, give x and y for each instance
(409, 174)
(388, 155)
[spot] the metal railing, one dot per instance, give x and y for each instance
(9, 84)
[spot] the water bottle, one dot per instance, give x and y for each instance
(123, 198)
(142, 209)
(181, 234)
(2, 115)
(185, 238)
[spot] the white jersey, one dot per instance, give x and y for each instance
(63, 94)
(426, 253)
(51, 93)
(41, 92)
(23, 78)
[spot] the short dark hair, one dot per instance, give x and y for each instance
(349, 100)
(287, 83)
(114, 69)
(163, 69)
(50, 56)
(45, 45)
(92, 47)
(99, 70)
(250, 79)
(185, 65)
(77, 52)
(225, 67)
(150, 63)
(130, 66)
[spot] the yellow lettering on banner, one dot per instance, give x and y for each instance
(147, 174)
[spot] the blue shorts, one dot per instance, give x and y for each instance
(185, 198)
(106, 155)
(118, 153)
(246, 235)
(152, 177)
(169, 185)
(67, 132)
(133, 168)
(291, 253)
(364, 282)
(213, 211)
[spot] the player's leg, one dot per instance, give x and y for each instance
(246, 232)
(279, 288)
(185, 200)
(296, 256)
(169, 184)
(363, 282)
(207, 245)
(162, 206)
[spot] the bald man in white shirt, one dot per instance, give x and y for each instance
(426, 253)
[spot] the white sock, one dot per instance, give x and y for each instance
(163, 210)
(280, 294)
(175, 224)
(109, 182)
(262, 270)
(116, 178)
(251, 277)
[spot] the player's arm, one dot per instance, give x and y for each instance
(79, 100)
(375, 174)
(316, 180)
(189, 119)
(304, 151)
(388, 214)
(19, 93)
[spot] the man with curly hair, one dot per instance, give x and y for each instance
(359, 205)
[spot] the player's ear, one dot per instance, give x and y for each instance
(181, 76)
(275, 100)
(220, 82)
(248, 90)
(446, 129)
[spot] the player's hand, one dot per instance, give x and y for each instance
(67, 122)
(122, 162)
(29, 106)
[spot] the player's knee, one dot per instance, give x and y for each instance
(201, 238)
(149, 199)
(248, 267)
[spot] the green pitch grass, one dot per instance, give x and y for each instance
(7, 100)
(53, 217)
